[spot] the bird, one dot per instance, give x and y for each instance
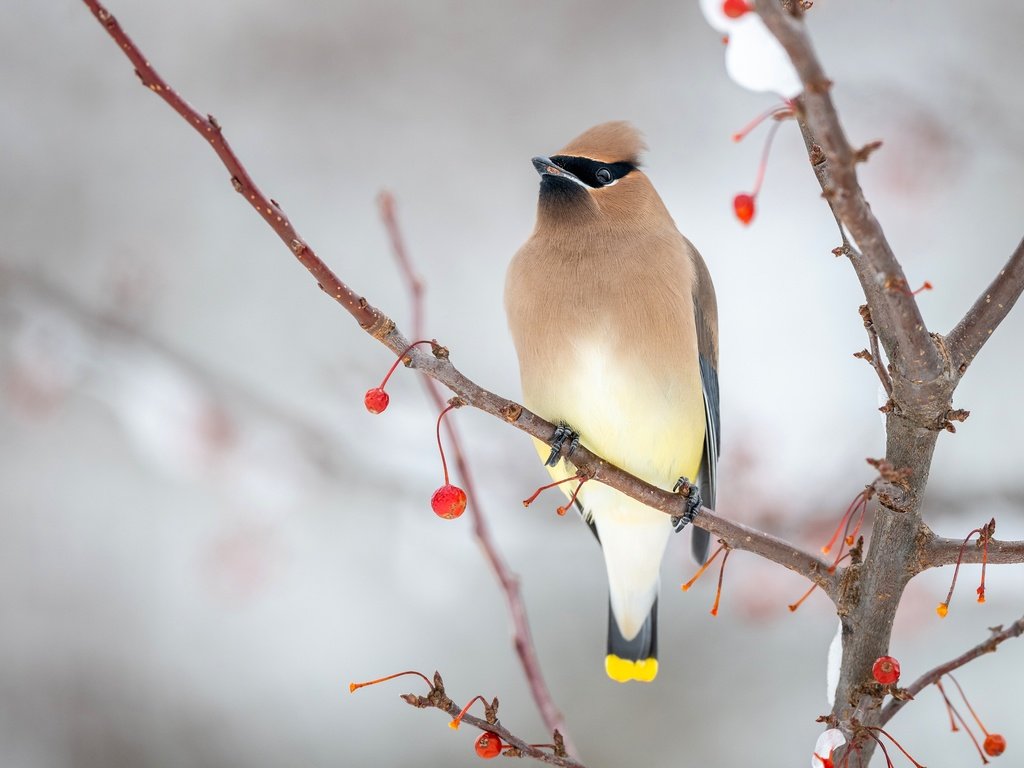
(615, 323)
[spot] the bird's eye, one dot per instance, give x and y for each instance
(604, 175)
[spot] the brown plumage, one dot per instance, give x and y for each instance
(614, 319)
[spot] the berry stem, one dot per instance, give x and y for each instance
(721, 573)
(572, 499)
(969, 707)
(943, 607)
(762, 167)
(454, 724)
(353, 687)
(963, 722)
(401, 357)
(844, 523)
(898, 745)
(950, 709)
(793, 606)
(539, 491)
(700, 571)
(440, 448)
(779, 112)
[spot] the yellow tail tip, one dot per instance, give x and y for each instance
(623, 670)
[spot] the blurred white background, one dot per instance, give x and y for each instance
(204, 537)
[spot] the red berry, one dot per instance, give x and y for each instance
(448, 501)
(376, 400)
(735, 8)
(886, 670)
(488, 745)
(743, 204)
(994, 745)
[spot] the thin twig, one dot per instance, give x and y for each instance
(522, 638)
(441, 369)
(208, 127)
(876, 354)
(437, 698)
(998, 636)
(971, 333)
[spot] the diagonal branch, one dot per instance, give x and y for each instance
(522, 638)
(382, 328)
(208, 127)
(898, 318)
(988, 646)
(971, 333)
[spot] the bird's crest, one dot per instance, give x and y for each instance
(614, 142)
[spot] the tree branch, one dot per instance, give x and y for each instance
(208, 127)
(437, 698)
(988, 646)
(382, 328)
(522, 638)
(938, 551)
(904, 334)
(970, 334)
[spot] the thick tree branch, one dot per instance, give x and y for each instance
(902, 329)
(522, 638)
(378, 325)
(928, 678)
(971, 333)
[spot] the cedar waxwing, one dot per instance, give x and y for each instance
(615, 322)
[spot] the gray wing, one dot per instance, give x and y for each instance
(705, 311)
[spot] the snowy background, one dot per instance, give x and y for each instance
(203, 535)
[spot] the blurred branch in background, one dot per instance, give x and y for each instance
(188, 420)
(522, 638)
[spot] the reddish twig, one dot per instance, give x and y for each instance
(998, 636)
(207, 126)
(437, 698)
(441, 369)
(521, 636)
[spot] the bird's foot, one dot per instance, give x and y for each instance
(693, 503)
(563, 432)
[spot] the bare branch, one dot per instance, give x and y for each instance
(522, 638)
(988, 646)
(970, 334)
(898, 318)
(208, 127)
(382, 328)
(938, 551)
(437, 698)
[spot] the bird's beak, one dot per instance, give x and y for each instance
(545, 167)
